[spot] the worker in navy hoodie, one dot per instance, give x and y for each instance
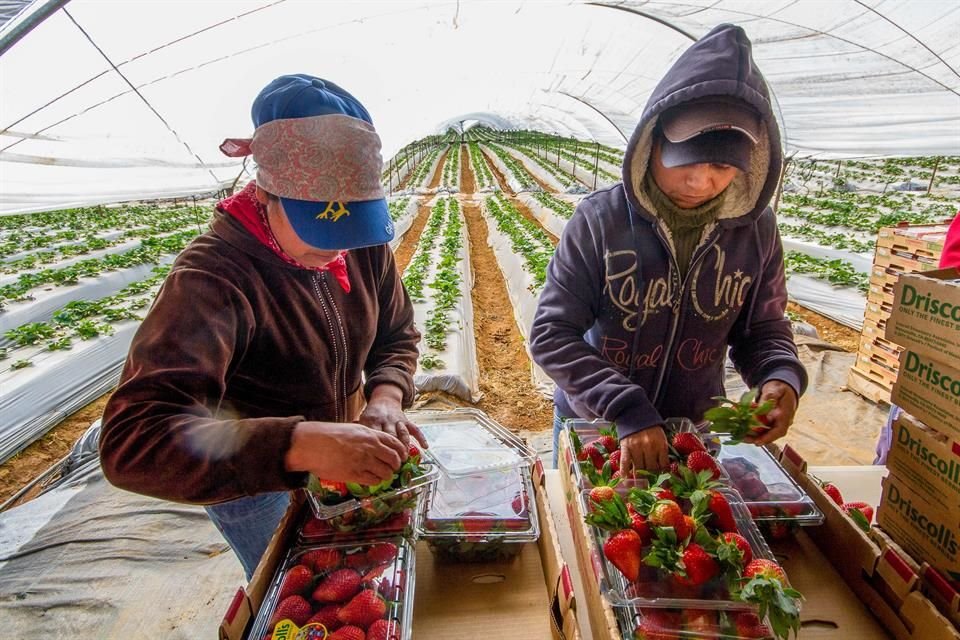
(656, 277)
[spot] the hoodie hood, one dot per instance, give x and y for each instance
(719, 64)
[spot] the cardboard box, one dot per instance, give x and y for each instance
(928, 533)
(927, 462)
(944, 595)
(454, 601)
(881, 574)
(830, 610)
(929, 389)
(925, 316)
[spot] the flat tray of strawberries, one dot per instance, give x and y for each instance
(341, 592)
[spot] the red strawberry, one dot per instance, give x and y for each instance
(674, 468)
(363, 609)
(860, 512)
(749, 626)
(777, 530)
(702, 461)
(594, 455)
(639, 524)
(348, 633)
(622, 549)
(601, 494)
(608, 442)
(666, 494)
(383, 630)
(413, 453)
(339, 586)
(376, 572)
(382, 553)
(831, 490)
(687, 442)
(296, 581)
(700, 566)
(321, 560)
(615, 461)
(742, 546)
(315, 527)
(357, 560)
(751, 486)
(334, 486)
(863, 507)
(689, 528)
(764, 568)
(294, 608)
(658, 624)
(518, 504)
(761, 417)
(327, 616)
(666, 513)
(722, 517)
(702, 622)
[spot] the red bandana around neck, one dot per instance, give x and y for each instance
(245, 207)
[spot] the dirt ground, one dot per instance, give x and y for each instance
(505, 380)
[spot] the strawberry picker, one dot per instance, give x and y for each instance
(656, 277)
(282, 343)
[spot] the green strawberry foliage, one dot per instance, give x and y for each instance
(738, 418)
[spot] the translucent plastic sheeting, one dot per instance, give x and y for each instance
(402, 224)
(547, 218)
(92, 561)
(862, 78)
(520, 289)
(841, 304)
(34, 399)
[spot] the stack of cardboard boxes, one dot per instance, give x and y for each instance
(901, 249)
(920, 507)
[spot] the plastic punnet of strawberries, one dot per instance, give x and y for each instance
(351, 592)
(373, 503)
(679, 539)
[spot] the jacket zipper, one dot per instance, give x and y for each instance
(338, 341)
(668, 359)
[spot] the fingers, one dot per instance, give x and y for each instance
(416, 433)
(774, 433)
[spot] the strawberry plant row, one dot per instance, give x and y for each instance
(836, 240)
(451, 169)
(522, 250)
(149, 252)
(515, 169)
(420, 177)
(565, 179)
(440, 265)
(482, 175)
(34, 230)
(836, 271)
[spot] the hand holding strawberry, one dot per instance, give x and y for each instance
(645, 449)
(384, 412)
(345, 452)
(780, 417)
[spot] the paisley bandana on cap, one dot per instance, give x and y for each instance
(329, 158)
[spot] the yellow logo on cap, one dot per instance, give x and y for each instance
(334, 211)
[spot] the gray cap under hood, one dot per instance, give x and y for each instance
(719, 64)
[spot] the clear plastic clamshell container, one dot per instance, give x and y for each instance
(466, 441)
(483, 517)
(690, 624)
(589, 431)
(313, 530)
(769, 492)
(369, 586)
(352, 514)
(655, 588)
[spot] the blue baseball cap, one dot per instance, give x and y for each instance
(317, 150)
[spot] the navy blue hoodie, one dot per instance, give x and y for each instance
(623, 336)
